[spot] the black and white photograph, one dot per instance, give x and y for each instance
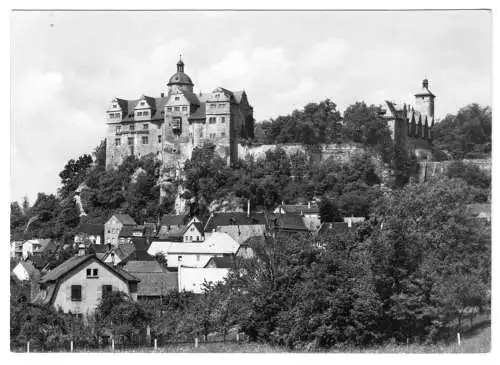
(250, 181)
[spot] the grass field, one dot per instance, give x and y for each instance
(477, 341)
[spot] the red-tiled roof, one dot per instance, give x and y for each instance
(174, 220)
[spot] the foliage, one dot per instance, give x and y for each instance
(472, 174)
(465, 135)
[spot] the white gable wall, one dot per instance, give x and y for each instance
(91, 288)
(21, 272)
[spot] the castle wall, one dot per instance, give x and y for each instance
(429, 169)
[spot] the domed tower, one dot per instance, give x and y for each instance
(424, 101)
(180, 79)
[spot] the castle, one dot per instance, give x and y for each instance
(411, 125)
(172, 125)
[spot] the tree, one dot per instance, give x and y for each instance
(328, 211)
(74, 174)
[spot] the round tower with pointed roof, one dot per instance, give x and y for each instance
(180, 79)
(424, 101)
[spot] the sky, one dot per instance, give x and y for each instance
(66, 67)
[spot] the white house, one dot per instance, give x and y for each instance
(194, 231)
(37, 246)
(193, 279)
(24, 270)
(198, 254)
(79, 283)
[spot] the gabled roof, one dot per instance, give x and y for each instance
(28, 266)
(226, 262)
(233, 219)
(76, 261)
(198, 225)
(94, 229)
(300, 208)
(174, 220)
(124, 219)
(290, 222)
(154, 284)
(143, 266)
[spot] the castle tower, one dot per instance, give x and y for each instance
(180, 79)
(424, 101)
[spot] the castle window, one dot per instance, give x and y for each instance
(118, 141)
(159, 139)
(176, 108)
(145, 126)
(169, 108)
(118, 128)
(131, 128)
(130, 141)
(223, 134)
(212, 120)
(223, 119)
(145, 140)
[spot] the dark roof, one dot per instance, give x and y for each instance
(154, 284)
(125, 219)
(333, 228)
(149, 228)
(198, 225)
(180, 78)
(174, 220)
(300, 208)
(140, 256)
(38, 261)
(290, 222)
(76, 261)
(143, 266)
(97, 248)
(97, 229)
(28, 266)
(233, 219)
(200, 112)
(128, 231)
(225, 262)
(191, 97)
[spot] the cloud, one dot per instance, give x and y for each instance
(329, 53)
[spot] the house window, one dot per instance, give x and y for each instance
(176, 124)
(212, 120)
(223, 119)
(92, 273)
(213, 105)
(176, 108)
(95, 272)
(177, 98)
(222, 134)
(159, 139)
(145, 126)
(118, 141)
(117, 115)
(130, 141)
(179, 258)
(197, 257)
(118, 129)
(221, 105)
(131, 128)
(145, 113)
(217, 96)
(201, 134)
(142, 103)
(139, 114)
(184, 108)
(190, 238)
(145, 140)
(169, 108)
(106, 290)
(76, 293)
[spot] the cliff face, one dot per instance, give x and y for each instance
(429, 169)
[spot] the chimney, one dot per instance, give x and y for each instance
(248, 208)
(81, 249)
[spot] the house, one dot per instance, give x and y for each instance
(239, 225)
(25, 270)
(79, 283)
(172, 224)
(114, 225)
(353, 220)
(92, 233)
(155, 280)
(225, 262)
(38, 247)
(194, 231)
(121, 253)
(198, 254)
(16, 249)
(160, 246)
(309, 214)
(194, 279)
(129, 232)
(289, 223)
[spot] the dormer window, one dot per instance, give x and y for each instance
(142, 103)
(217, 96)
(115, 105)
(177, 98)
